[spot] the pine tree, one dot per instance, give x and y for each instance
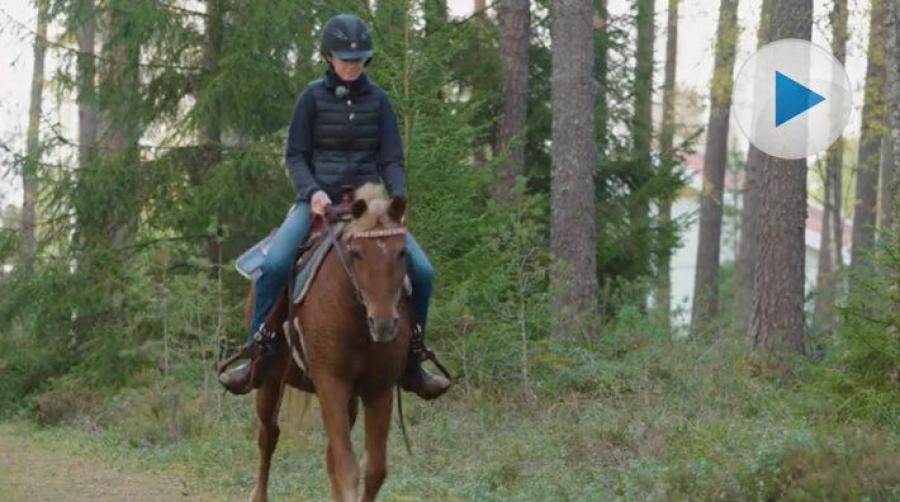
(831, 243)
(667, 160)
(86, 93)
(871, 133)
(33, 150)
(601, 74)
(777, 323)
(892, 93)
(572, 228)
(748, 243)
(513, 19)
(706, 288)
(642, 121)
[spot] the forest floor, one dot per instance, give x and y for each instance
(32, 471)
(635, 419)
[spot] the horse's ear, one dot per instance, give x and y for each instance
(397, 208)
(358, 208)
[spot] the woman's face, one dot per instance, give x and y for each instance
(348, 70)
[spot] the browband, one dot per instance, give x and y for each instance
(370, 234)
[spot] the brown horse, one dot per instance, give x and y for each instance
(355, 331)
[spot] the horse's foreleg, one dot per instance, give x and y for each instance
(378, 422)
(353, 408)
(268, 402)
(334, 399)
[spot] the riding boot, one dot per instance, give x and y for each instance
(417, 379)
(253, 357)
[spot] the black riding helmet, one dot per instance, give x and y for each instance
(346, 36)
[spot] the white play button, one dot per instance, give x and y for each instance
(792, 99)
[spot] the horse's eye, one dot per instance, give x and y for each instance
(355, 254)
(401, 254)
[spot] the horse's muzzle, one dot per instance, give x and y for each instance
(383, 330)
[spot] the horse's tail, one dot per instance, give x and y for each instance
(296, 408)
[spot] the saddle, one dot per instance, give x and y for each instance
(323, 232)
(311, 253)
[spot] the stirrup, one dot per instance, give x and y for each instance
(420, 352)
(254, 353)
(262, 339)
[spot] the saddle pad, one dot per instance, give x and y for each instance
(308, 270)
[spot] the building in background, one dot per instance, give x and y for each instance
(683, 265)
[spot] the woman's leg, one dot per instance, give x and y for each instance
(416, 378)
(274, 270)
(421, 274)
(277, 264)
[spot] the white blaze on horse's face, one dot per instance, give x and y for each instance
(379, 266)
(377, 250)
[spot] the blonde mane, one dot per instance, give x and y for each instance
(376, 211)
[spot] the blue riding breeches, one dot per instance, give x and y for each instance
(282, 250)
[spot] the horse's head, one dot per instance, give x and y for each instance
(375, 245)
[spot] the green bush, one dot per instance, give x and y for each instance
(67, 401)
(26, 366)
(846, 464)
(861, 373)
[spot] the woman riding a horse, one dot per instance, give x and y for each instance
(343, 133)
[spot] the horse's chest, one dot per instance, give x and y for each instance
(366, 365)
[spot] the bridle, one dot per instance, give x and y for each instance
(368, 234)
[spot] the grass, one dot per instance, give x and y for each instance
(631, 418)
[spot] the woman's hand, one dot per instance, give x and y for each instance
(319, 202)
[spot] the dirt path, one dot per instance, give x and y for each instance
(35, 473)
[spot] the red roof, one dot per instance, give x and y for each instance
(814, 223)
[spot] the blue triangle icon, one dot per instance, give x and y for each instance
(792, 98)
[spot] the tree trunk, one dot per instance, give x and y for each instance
(831, 245)
(481, 147)
(32, 147)
(748, 242)
(601, 53)
(889, 146)
(572, 222)
(86, 234)
(871, 132)
(706, 291)
(87, 94)
(666, 135)
(642, 128)
(885, 202)
(777, 323)
(120, 88)
(513, 19)
(642, 122)
(892, 106)
(836, 154)
(210, 128)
